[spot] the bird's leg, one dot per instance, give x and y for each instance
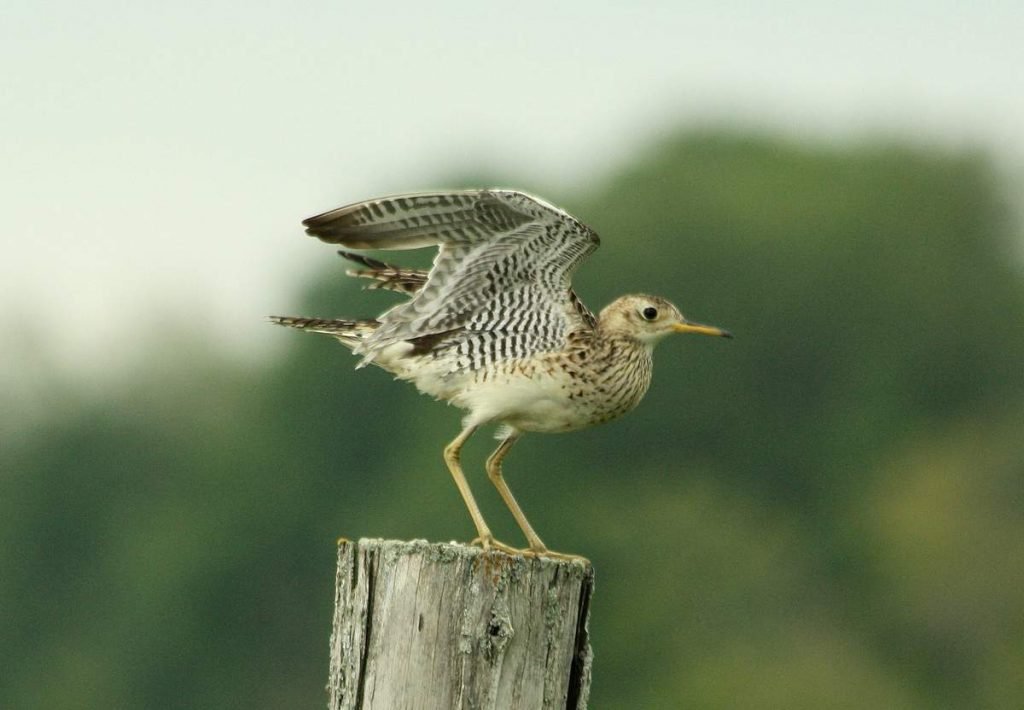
(493, 465)
(451, 457)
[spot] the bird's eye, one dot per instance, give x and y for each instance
(649, 313)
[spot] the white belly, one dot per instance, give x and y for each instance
(527, 404)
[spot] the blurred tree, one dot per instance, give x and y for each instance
(822, 513)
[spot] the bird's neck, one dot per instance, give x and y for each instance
(620, 346)
(617, 339)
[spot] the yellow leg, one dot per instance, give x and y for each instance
(493, 465)
(451, 457)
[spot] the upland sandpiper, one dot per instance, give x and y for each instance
(494, 326)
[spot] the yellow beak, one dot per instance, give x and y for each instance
(687, 327)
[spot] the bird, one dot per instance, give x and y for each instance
(494, 326)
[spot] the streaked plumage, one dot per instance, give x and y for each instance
(494, 327)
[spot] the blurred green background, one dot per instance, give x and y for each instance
(826, 512)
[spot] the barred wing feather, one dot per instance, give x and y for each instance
(500, 282)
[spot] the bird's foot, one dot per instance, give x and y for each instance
(488, 542)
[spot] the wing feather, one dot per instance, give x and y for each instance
(503, 268)
(386, 276)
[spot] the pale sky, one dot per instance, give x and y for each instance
(158, 157)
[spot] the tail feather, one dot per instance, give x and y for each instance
(349, 332)
(387, 276)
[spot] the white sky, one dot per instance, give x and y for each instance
(157, 157)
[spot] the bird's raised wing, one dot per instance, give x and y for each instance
(501, 278)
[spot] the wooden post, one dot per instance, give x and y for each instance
(424, 625)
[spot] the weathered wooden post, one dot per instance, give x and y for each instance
(425, 625)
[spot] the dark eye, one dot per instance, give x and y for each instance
(649, 313)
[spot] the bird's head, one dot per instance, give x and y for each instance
(648, 319)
